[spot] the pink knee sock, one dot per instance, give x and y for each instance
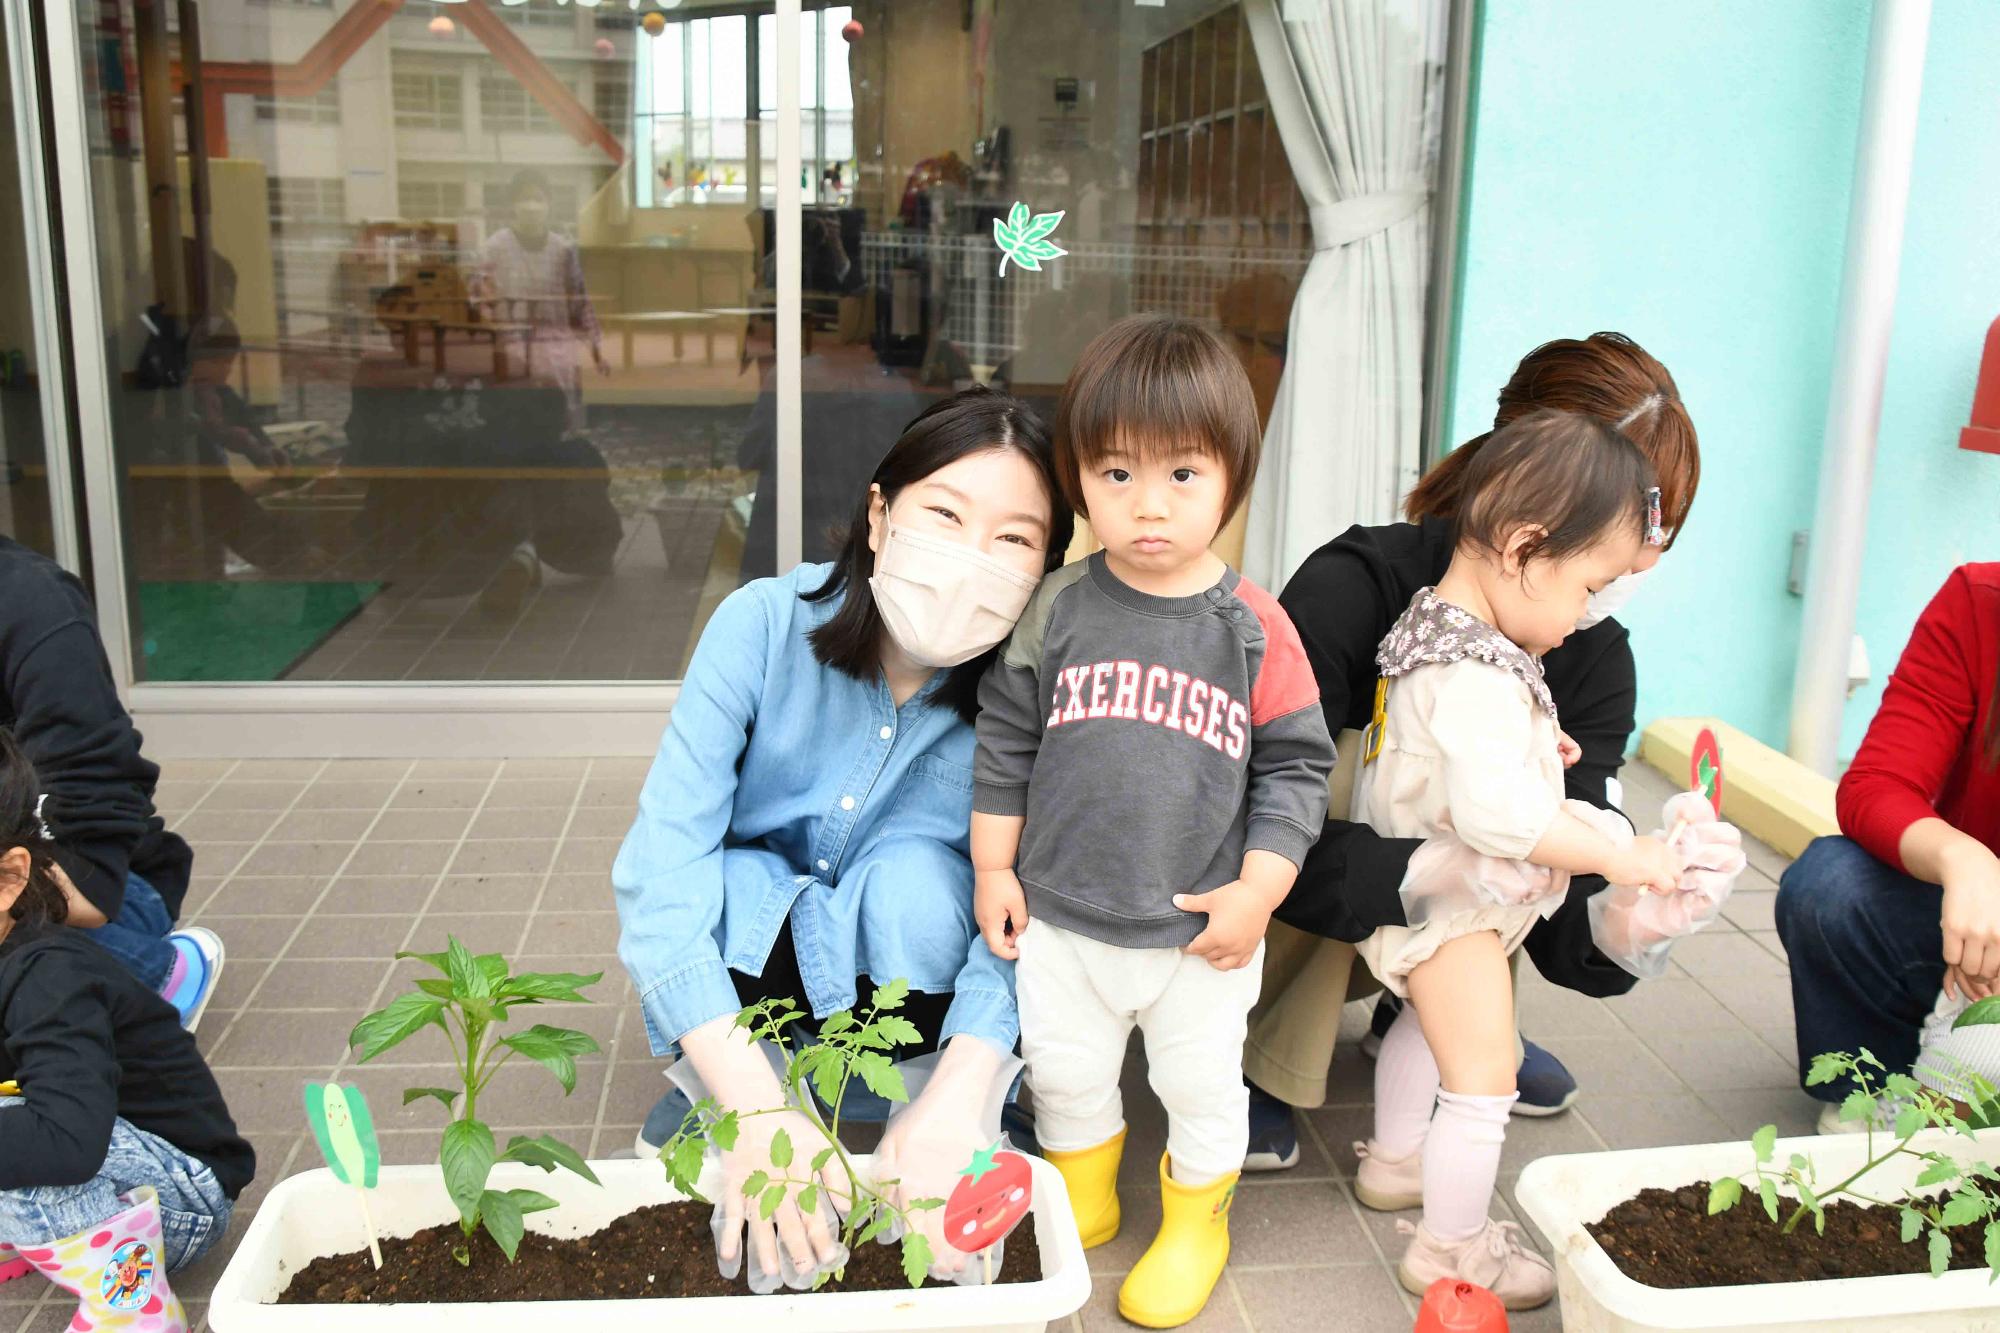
(1461, 1161)
(1406, 1087)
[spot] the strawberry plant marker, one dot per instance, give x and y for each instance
(345, 1132)
(995, 1191)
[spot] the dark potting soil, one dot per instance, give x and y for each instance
(1665, 1238)
(664, 1250)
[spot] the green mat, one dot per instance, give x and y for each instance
(248, 631)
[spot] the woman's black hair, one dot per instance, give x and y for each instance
(975, 421)
(41, 902)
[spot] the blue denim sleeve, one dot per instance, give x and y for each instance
(935, 945)
(983, 1001)
(669, 873)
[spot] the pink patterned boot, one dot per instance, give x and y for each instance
(117, 1270)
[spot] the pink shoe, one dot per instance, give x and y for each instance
(12, 1265)
(1496, 1257)
(1389, 1184)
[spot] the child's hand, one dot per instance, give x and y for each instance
(1647, 863)
(1238, 914)
(1567, 749)
(1956, 984)
(1001, 909)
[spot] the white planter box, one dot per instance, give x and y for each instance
(313, 1215)
(1561, 1194)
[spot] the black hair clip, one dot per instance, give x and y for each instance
(1656, 532)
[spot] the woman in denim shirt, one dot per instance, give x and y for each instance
(804, 829)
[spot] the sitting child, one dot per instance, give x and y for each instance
(118, 1159)
(1466, 747)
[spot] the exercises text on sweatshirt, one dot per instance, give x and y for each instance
(1149, 741)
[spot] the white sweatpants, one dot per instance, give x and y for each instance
(1079, 1000)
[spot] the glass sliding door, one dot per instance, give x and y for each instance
(32, 478)
(437, 334)
(1148, 128)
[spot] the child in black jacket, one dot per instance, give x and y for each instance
(118, 1159)
(125, 874)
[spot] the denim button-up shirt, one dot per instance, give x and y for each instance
(786, 790)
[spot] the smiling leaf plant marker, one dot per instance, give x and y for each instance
(346, 1135)
(1023, 238)
(995, 1191)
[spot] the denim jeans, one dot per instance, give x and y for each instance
(137, 936)
(1867, 956)
(194, 1210)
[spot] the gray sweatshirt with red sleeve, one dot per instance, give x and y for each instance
(1150, 742)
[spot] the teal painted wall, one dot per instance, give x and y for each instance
(1936, 506)
(1680, 171)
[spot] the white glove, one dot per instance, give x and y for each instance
(1714, 850)
(1637, 930)
(927, 1143)
(741, 1076)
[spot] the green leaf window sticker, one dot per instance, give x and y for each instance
(1023, 238)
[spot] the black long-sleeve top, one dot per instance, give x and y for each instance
(58, 698)
(88, 1044)
(1344, 599)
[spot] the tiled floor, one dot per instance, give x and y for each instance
(315, 872)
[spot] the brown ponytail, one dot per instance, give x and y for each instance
(1606, 376)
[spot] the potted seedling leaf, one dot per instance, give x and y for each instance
(1914, 1172)
(468, 1003)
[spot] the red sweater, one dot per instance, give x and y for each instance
(1922, 755)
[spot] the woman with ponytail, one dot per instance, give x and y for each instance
(1344, 599)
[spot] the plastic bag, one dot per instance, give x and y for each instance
(1637, 930)
(958, 1268)
(734, 1214)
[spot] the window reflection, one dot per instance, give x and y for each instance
(1147, 127)
(439, 330)
(25, 514)
(444, 334)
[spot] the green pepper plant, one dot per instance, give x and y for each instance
(469, 1003)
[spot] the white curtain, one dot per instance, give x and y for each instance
(1356, 89)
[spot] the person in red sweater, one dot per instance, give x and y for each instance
(1908, 900)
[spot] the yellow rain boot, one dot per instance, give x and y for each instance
(1091, 1176)
(1172, 1280)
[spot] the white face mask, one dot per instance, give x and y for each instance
(945, 603)
(1611, 598)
